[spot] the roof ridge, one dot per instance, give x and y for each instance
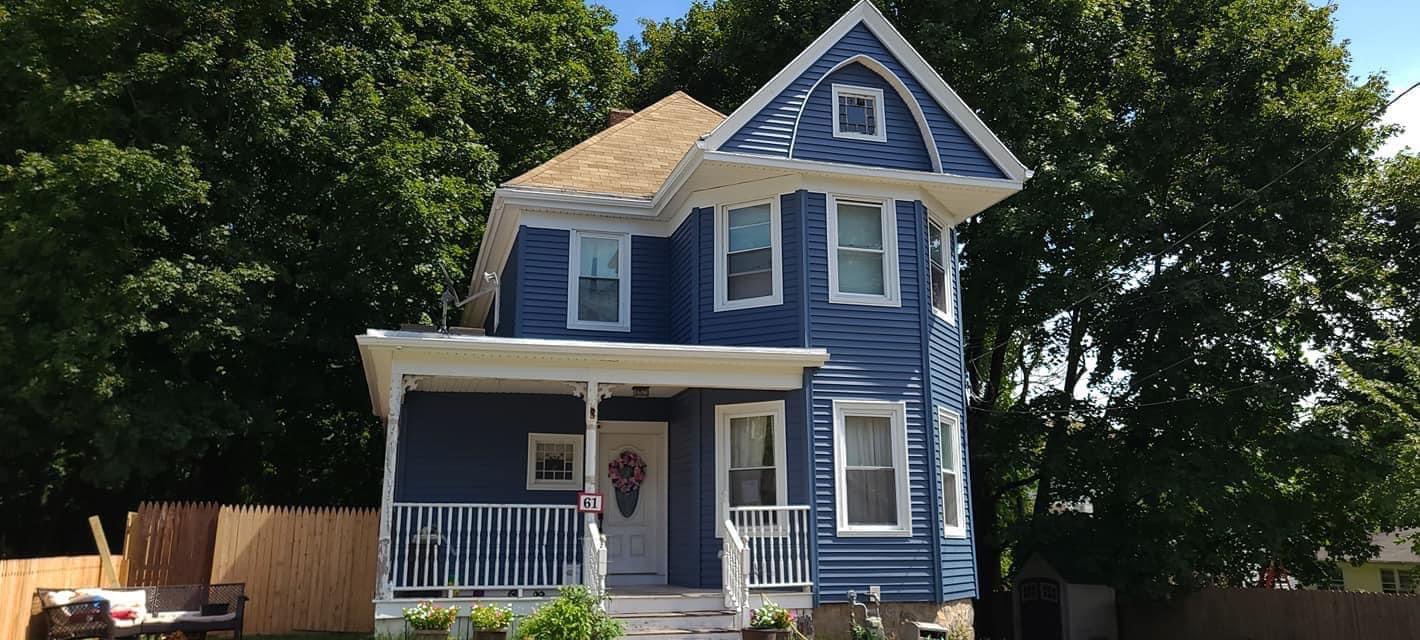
(698, 103)
(567, 154)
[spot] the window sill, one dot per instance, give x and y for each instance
(545, 487)
(599, 326)
(863, 300)
(955, 533)
(874, 532)
(944, 316)
(751, 303)
(844, 135)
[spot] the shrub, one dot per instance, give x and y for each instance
(490, 617)
(427, 617)
(574, 615)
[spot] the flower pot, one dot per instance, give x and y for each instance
(764, 634)
(626, 502)
(429, 634)
(490, 635)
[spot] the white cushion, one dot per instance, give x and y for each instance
(58, 598)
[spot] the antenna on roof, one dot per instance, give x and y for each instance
(450, 297)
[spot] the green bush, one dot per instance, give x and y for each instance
(427, 617)
(574, 615)
(490, 617)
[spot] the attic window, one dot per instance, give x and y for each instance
(858, 113)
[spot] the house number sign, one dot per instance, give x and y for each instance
(589, 502)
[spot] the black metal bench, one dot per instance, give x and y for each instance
(191, 609)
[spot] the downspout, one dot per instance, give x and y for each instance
(929, 412)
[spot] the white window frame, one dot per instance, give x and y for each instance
(879, 105)
(575, 484)
(896, 412)
(722, 268)
(574, 273)
(949, 435)
(892, 290)
(723, 414)
(947, 314)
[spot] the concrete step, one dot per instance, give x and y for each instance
(654, 621)
(684, 634)
(690, 602)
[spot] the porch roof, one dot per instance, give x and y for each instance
(389, 354)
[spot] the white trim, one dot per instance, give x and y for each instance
(951, 435)
(722, 244)
(723, 414)
(892, 290)
(864, 12)
(573, 484)
(864, 172)
(617, 363)
(623, 276)
(896, 412)
(946, 314)
(914, 107)
(879, 106)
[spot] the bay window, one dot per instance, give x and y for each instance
(748, 263)
(862, 252)
(870, 447)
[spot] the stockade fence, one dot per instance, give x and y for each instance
(1268, 614)
(19, 579)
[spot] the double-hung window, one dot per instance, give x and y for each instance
(749, 455)
(862, 252)
(1397, 581)
(599, 283)
(858, 113)
(949, 465)
(938, 261)
(748, 264)
(870, 447)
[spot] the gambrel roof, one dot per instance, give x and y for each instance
(631, 158)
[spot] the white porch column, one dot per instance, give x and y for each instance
(592, 393)
(398, 385)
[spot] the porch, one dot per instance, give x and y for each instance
(489, 441)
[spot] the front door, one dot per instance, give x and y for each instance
(631, 467)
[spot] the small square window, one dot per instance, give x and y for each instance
(554, 462)
(858, 113)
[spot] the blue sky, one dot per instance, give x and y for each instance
(1381, 32)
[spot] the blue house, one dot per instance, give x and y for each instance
(739, 336)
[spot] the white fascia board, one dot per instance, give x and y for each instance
(895, 43)
(420, 353)
(860, 171)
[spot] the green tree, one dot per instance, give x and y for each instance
(1139, 318)
(202, 203)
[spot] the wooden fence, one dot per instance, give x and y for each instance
(170, 543)
(20, 578)
(1265, 614)
(305, 569)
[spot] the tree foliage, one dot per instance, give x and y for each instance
(1142, 320)
(202, 203)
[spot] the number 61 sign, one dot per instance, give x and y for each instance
(589, 502)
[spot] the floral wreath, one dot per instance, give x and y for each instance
(627, 471)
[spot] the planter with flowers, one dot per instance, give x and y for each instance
(769, 622)
(490, 622)
(627, 472)
(427, 621)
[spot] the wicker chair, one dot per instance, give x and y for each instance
(218, 607)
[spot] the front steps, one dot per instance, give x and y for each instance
(668, 613)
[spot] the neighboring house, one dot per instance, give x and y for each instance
(1394, 569)
(742, 330)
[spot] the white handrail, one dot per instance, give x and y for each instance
(594, 553)
(776, 539)
(734, 568)
(448, 546)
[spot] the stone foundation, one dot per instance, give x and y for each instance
(831, 621)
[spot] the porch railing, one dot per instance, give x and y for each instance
(776, 540)
(594, 550)
(734, 568)
(442, 546)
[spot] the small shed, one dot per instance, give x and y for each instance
(1048, 605)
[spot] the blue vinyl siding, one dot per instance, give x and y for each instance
(473, 447)
(769, 326)
(948, 389)
(770, 131)
(685, 280)
(876, 355)
(903, 149)
(542, 296)
(507, 320)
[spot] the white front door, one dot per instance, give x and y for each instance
(634, 514)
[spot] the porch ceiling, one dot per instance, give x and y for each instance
(512, 362)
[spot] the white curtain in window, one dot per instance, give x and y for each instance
(752, 476)
(869, 473)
